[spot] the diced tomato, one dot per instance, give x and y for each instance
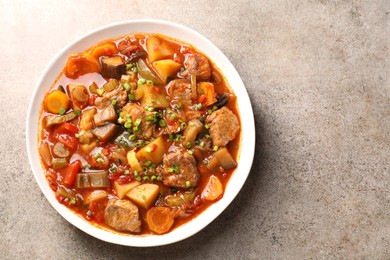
(70, 172)
(202, 98)
(65, 133)
(158, 90)
(105, 151)
(92, 99)
(66, 128)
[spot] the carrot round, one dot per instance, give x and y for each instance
(80, 64)
(104, 49)
(213, 189)
(159, 219)
(56, 101)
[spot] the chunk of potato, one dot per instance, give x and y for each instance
(153, 152)
(86, 119)
(144, 195)
(133, 161)
(122, 189)
(166, 68)
(154, 97)
(157, 50)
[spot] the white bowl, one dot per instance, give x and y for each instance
(180, 32)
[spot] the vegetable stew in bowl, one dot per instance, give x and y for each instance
(139, 134)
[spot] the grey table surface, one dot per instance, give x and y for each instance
(318, 75)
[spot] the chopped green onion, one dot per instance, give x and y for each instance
(128, 124)
(77, 135)
(129, 66)
(153, 166)
(191, 123)
(73, 201)
(162, 123)
(188, 184)
(113, 102)
(136, 128)
(99, 160)
(201, 91)
(127, 172)
(159, 178)
(120, 120)
(175, 168)
(96, 155)
(153, 178)
(113, 169)
(141, 82)
(183, 125)
(148, 149)
(207, 136)
(147, 163)
(137, 122)
(135, 173)
(77, 112)
(190, 151)
(61, 111)
(88, 166)
(206, 126)
(150, 109)
(89, 213)
(135, 70)
(131, 97)
(215, 108)
(126, 86)
(138, 178)
(132, 137)
(173, 116)
(150, 82)
(146, 178)
(215, 148)
(209, 111)
(100, 91)
(201, 143)
(170, 137)
(188, 144)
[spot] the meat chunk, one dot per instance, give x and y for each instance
(135, 111)
(113, 67)
(224, 126)
(122, 215)
(199, 65)
(119, 94)
(126, 47)
(105, 132)
(105, 116)
(180, 170)
(180, 91)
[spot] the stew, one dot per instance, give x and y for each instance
(139, 134)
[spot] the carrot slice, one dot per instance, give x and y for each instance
(104, 49)
(56, 101)
(207, 90)
(159, 219)
(80, 64)
(213, 189)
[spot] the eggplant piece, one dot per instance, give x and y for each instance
(225, 159)
(104, 133)
(99, 179)
(147, 73)
(83, 181)
(55, 120)
(59, 163)
(222, 100)
(124, 141)
(105, 115)
(135, 56)
(113, 67)
(60, 150)
(193, 129)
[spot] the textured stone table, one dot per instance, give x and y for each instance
(318, 74)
